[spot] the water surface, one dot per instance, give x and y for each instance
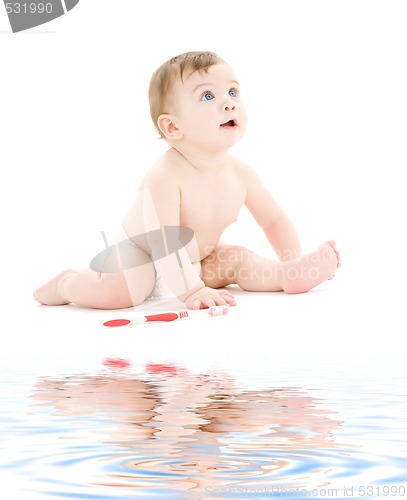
(164, 430)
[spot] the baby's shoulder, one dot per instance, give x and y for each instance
(241, 168)
(164, 169)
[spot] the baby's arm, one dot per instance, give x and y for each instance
(277, 226)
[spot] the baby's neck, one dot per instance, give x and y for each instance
(206, 163)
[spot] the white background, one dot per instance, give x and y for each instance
(324, 84)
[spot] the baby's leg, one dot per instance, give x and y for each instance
(88, 288)
(236, 265)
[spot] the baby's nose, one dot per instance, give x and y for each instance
(229, 105)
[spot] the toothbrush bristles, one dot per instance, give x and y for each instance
(218, 310)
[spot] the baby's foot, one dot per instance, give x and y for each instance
(310, 270)
(49, 294)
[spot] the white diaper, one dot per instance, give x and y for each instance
(162, 291)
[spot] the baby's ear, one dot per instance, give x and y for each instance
(169, 128)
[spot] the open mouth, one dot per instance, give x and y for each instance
(229, 124)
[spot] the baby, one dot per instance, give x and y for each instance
(196, 107)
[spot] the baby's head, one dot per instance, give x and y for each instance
(178, 67)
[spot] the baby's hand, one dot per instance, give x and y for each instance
(208, 297)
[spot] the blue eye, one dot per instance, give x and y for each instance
(207, 96)
(233, 93)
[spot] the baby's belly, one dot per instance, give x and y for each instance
(208, 231)
(208, 242)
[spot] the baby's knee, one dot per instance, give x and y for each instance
(229, 255)
(222, 267)
(238, 255)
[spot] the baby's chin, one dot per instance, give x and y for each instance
(231, 135)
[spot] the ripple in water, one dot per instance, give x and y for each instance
(167, 433)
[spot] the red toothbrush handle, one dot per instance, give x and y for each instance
(162, 317)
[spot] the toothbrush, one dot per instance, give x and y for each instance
(168, 316)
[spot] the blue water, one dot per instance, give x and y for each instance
(165, 430)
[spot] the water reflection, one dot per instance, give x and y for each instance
(166, 429)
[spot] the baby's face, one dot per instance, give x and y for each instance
(208, 109)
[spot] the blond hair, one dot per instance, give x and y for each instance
(164, 77)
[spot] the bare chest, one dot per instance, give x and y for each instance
(209, 208)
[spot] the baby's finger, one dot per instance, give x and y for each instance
(228, 298)
(196, 304)
(208, 302)
(203, 303)
(219, 301)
